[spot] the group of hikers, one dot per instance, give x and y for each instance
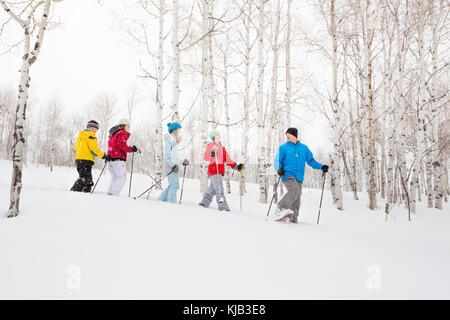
(289, 163)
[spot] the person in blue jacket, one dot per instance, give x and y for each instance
(290, 165)
(172, 161)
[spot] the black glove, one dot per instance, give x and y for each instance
(185, 162)
(134, 149)
(107, 157)
(175, 168)
(213, 151)
(325, 168)
(239, 167)
(281, 172)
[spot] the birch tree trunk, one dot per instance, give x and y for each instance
(271, 127)
(437, 167)
(393, 114)
(175, 62)
(204, 106)
(352, 174)
(402, 47)
(368, 35)
(387, 162)
(360, 167)
(226, 105)
(246, 110)
(159, 94)
(28, 59)
(288, 95)
(211, 84)
(335, 168)
(418, 151)
(262, 181)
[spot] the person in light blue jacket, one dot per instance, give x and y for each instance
(172, 161)
(290, 164)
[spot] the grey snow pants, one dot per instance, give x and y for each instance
(216, 189)
(292, 198)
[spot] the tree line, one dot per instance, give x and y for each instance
(382, 89)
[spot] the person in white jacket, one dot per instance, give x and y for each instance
(172, 161)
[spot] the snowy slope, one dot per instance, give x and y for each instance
(133, 249)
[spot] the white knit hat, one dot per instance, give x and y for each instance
(124, 121)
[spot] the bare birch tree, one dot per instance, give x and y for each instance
(30, 55)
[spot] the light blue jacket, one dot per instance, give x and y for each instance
(292, 158)
(171, 156)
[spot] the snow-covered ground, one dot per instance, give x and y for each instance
(70, 245)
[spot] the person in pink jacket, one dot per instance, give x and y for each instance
(217, 157)
(118, 149)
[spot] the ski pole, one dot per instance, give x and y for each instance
(156, 183)
(218, 177)
(99, 176)
(320, 206)
(276, 187)
(182, 185)
(131, 175)
(240, 191)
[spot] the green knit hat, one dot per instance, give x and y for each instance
(213, 134)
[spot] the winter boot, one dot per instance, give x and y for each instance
(283, 215)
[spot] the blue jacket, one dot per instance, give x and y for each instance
(292, 157)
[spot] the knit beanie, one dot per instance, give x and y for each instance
(173, 126)
(92, 124)
(293, 131)
(124, 122)
(213, 134)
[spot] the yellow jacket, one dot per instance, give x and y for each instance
(86, 147)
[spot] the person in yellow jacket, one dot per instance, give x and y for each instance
(86, 149)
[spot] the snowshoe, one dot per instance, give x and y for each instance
(288, 217)
(283, 215)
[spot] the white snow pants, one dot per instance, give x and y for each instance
(118, 170)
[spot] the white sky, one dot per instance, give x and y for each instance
(87, 56)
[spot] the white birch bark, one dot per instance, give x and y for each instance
(437, 165)
(418, 151)
(288, 94)
(260, 108)
(246, 109)
(337, 125)
(225, 53)
(175, 62)
(271, 127)
(352, 172)
(392, 114)
(204, 110)
(211, 83)
(402, 46)
(360, 167)
(29, 57)
(368, 38)
(159, 95)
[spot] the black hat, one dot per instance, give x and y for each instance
(92, 124)
(293, 131)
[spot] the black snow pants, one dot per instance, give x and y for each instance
(84, 182)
